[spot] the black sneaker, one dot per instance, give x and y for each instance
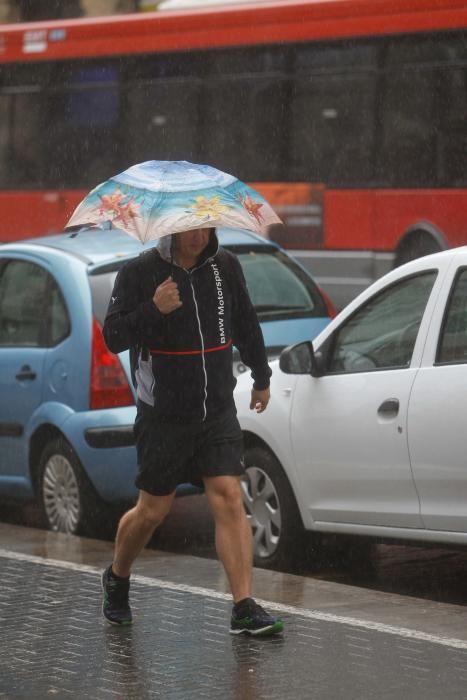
(115, 607)
(251, 618)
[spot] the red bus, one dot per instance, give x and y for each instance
(349, 115)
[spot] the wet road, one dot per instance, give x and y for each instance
(436, 574)
(431, 573)
(340, 641)
(391, 626)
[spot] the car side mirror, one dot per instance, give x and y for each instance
(301, 359)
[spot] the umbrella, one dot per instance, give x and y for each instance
(159, 197)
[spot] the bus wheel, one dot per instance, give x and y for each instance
(416, 245)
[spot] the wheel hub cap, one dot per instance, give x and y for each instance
(263, 510)
(60, 491)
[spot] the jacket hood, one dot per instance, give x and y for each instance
(164, 247)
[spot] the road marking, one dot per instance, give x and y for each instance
(277, 607)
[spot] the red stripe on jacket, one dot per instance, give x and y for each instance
(191, 352)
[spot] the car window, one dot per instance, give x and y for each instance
(276, 285)
(453, 341)
(59, 320)
(102, 284)
(382, 333)
(23, 290)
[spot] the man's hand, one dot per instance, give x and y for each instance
(166, 297)
(259, 399)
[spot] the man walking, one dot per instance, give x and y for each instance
(180, 308)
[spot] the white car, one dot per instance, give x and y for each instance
(366, 431)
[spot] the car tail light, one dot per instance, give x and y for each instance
(329, 305)
(109, 384)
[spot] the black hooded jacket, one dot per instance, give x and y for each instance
(182, 361)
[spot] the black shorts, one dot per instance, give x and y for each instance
(170, 454)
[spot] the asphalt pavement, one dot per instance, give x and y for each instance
(340, 641)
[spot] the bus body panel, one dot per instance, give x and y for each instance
(231, 26)
(353, 219)
(375, 219)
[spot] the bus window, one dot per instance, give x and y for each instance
(332, 113)
(332, 129)
(24, 126)
(243, 107)
(6, 102)
(407, 157)
(83, 146)
(161, 120)
(243, 126)
(452, 134)
(93, 97)
(424, 107)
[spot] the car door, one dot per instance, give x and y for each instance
(438, 413)
(349, 425)
(23, 290)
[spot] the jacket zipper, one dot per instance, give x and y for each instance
(202, 347)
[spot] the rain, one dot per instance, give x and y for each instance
(341, 126)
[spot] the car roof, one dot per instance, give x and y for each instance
(97, 246)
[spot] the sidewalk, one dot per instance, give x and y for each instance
(340, 641)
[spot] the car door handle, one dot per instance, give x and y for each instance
(25, 373)
(389, 407)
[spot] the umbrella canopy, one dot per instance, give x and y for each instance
(160, 197)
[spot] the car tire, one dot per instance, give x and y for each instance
(67, 499)
(279, 539)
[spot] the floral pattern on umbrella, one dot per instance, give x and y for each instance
(207, 208)
(253, 207)
(118, 207)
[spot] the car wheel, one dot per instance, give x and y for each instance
(278, 533)
(67, 499)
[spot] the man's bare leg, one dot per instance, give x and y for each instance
(234, 548)
(136, 527)
(134, 532)
(233, 532)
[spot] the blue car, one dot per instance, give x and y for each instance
(67, 404)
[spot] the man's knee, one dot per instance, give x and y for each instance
(224, 494)
(153, 509)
